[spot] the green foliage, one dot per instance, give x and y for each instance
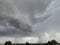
(8, 43)
(52, 42)
(27, 43)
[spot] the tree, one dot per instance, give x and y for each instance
(27, 43)
(8, 43)
(53, 42)
(49, 42)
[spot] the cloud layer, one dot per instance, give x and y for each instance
(26, 19)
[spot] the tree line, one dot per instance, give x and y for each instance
(52, 42)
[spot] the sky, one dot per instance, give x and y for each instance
(34, 21)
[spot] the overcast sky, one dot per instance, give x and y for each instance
(29, 20)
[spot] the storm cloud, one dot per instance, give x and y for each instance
(11, 21)
(51, 25)
(14, 20)
(32, 8)
(29, 20)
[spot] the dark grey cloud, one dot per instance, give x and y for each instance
(13, 27)
(44, 15)
(12, 23)
(31, 7)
